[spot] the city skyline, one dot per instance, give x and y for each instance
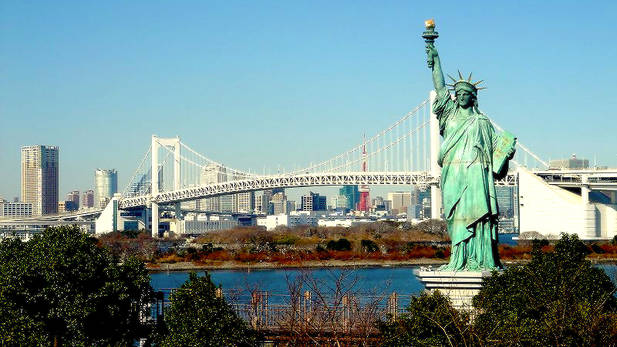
(100, 92)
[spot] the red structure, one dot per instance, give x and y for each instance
(364, 203)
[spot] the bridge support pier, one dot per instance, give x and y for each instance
(435, 144)
(589, 211)
(155, 219)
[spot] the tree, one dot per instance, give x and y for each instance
(430, 320)
(433, 226)
(369, 246)
(558, 298)
(197, 316)
(60, 288)
(339, 245)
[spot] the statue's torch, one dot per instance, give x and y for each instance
(429, 36)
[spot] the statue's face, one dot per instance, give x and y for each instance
(464, 98)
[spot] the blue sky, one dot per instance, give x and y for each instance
(268, 83)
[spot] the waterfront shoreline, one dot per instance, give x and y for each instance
(233, 265)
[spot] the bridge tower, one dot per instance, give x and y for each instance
(435, 144)
(170, 143)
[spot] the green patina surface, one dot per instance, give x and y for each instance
(472, 156)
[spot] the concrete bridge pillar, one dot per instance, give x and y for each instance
(155, 219)
(435, 143)
(585, 189)
(588, 210)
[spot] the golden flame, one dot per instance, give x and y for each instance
(429, 23)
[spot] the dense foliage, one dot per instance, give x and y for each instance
(430, 320)
(61, 288)
(558, 298)
(197, 316)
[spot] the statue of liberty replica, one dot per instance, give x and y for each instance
(472, 156)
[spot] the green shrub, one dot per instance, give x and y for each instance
(286, 239)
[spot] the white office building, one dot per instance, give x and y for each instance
(105, 186)
(290, 221)
(15, 209)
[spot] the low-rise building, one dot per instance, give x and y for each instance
(15, 209)
(290, 221)
(341, 222)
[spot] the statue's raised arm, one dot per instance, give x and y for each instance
(432, 56)
(434, 64)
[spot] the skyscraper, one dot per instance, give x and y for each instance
(352, 195)
(39, 178)
(105, 186)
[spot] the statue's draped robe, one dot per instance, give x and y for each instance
(468, 186)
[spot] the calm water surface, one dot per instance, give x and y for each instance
(382, 280)
(367, 279)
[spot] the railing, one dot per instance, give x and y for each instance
(308, 311)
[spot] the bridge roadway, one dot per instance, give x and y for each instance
(600, 179)
(595, 179)
(281, 181)
(256, 183)
(68, 216)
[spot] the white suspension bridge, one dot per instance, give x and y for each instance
(405, 153)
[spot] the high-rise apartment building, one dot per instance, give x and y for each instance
(105, 186)
(74, 198)
(39, 178)
(87, 199)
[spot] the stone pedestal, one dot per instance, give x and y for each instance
(459, 286)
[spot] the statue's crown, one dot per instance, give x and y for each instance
(465, 84)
